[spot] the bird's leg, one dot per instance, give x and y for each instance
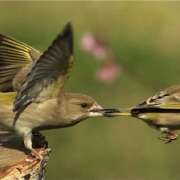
(39, 140)
(28, 145)
(168, 136)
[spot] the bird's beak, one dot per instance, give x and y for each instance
(113, 112)
(97, 110)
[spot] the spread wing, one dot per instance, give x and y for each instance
(14, 55)
(48, 74)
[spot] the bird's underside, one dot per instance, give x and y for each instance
(167, 131)
(161, 111)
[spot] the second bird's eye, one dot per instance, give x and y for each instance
(84, 105)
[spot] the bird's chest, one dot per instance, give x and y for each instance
(161, 119)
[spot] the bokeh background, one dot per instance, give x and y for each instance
(145, 37)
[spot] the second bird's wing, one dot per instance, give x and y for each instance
(167, 99)
(48, 74)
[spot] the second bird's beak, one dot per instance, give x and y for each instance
(111, 112)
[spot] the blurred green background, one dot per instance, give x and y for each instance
(145, 36)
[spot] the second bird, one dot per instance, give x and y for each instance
(161, 111)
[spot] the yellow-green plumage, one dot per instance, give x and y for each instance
(161, 111)
(7, 98)
(31, 86)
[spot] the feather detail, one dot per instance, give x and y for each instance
(49, 73)
(14, 55)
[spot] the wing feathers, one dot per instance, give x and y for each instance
(168, 99)
(13, 56)
(48, 73)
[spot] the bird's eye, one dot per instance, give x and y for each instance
(84, 105)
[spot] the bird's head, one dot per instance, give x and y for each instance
(79, 106)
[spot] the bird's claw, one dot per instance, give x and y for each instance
(37, 155)
(168, 137)
(165, 139)
(48, 150)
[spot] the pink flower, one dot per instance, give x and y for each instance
(94, 46)
(108, 73)
(88, 42)
(110, 70)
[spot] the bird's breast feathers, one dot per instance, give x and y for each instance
(161, 119)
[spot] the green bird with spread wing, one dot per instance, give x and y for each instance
(32, 96)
